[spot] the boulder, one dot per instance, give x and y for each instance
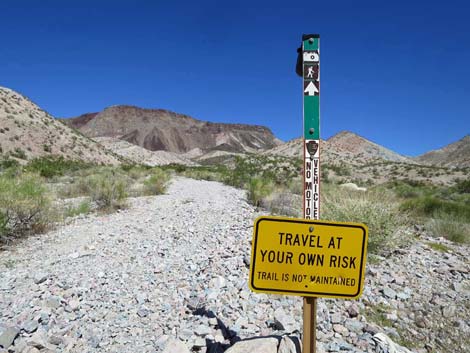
(256, 345)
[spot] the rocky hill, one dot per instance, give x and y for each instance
(347, 157)
(344, 145)
(351, 145)
(27, 131)
(140, 155)
(157, 129)
(456, 154)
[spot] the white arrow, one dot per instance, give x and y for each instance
(311, 89)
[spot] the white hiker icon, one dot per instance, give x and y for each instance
(310, 72)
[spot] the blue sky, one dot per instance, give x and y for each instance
(397, 73)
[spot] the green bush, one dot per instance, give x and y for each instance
(8, 163)
(49, 167)
(377, 209)
(463, 186)
(258, 188)
(24, 205)
(108, 190)
(454, 228)
(83, 207)
(430, 205)
(157, 183)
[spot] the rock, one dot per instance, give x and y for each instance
(241, 322)
(218, 282)
(38, 340)
(219, 338)
(175, 346)
(256, 345)
(389, 293)
(74, 304)
(353, 310)
(40, 277)
(199, 342)
(32, 350)
(352, 186)
(142, 312)
(275, 325)
(94, 341)
(287, 345)
(383, 343)
(403, 295)
(55, 340)
(354, 325)
(462, 287)
(421, 322)
(8, 335)
(21, 345)
(53, 302)
(202, 330)
(332, 347)
(340, 329)
(448, 311)
(30, 326)
(246, 261)
(336, 318)
(372, 329)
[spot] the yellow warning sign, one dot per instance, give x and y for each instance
(308, 258)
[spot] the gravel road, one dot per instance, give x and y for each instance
(175, 266)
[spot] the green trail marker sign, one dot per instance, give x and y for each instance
(311, 102)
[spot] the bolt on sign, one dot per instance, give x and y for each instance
(309, 258)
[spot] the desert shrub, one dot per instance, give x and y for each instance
(454, 228)
(18, 153)
(8, 163)
(78, 186)
(24, 205)
(157, 183)
(135, 171)
(462, 186)
(296, 186)
(377, 209)
(49, 167)
(127, 167)
(108, 190)
(210, 173)
(178, 168)
(83, 207)
(405, 189)
(258, 188)
(430, 205)
(284, 203)
(340, 169)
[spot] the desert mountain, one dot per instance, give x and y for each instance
(27, 131)
(348, 157)
(343, 146)
(157, 129)
(456, 154)
(348, 144)
(140, 155)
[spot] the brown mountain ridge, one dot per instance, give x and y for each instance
(456, 154)
(158, 129)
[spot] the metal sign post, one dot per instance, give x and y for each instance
(306, 256)
(310, 57)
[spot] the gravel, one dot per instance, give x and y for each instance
(171, 271)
